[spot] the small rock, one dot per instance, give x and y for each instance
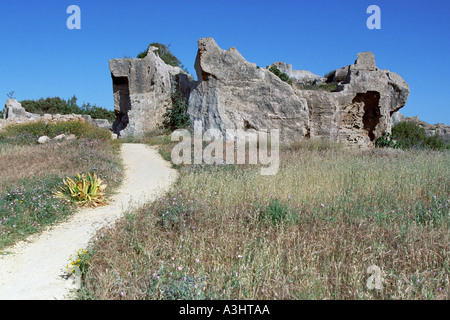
(59, 137)
(71, 137)
(43, 139)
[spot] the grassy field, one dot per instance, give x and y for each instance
(309, 232)
(32, 172)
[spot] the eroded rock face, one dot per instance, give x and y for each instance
(14, 110)
(142, 92)
(233, 93)
(359, 111)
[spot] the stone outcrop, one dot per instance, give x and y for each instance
(299, 77)
(359, 110)
(233, 93)
(13, 112)
(354, 104)
(142, 92)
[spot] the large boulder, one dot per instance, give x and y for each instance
(233, 93)
(142, 92)
(359, 111)
(14, 110)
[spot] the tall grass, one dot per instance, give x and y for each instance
(309, 232)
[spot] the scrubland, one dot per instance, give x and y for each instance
(309, 232)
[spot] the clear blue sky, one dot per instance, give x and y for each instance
(41, 57)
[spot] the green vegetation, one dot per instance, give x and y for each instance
(409, 135)
(176, 116)
(61, 106)
(309, 232)
(32, 172)
(283, 76)
(28, 133)
(83, 190)
(164, 53)
(385, 141)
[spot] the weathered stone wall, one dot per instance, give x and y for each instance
(232, 93)
(360, 110)
(142, 92)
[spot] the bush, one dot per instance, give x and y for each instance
(385, 141)
(283, 76)
(164, 53)
(410, 135)
(176, 116)
(57, 105)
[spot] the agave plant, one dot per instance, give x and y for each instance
(83, 190)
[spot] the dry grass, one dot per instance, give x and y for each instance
(345, 211)
(18, 162)
(32, 172)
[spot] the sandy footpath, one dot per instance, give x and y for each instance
(36, 268)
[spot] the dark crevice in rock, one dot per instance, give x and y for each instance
(372, 114)
(122, 95)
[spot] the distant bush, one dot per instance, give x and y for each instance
(409, 135)
(27, 133)
(283, 76)
(57, 105)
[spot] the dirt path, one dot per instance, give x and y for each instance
(36, 268)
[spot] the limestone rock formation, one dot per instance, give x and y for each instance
(233, 93)
(13, 109)
(142, 92)
(359, 111)
(299, 77)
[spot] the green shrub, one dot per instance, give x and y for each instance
(409, 135)
(436, 142)
(27, 133)
(283, 76)
(276, 212)
(57, 105)
(176, 116)
(385, 141)
(163, 52)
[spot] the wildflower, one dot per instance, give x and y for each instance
(239, 256)
(322, 205)
(197, 260)
(180, 268)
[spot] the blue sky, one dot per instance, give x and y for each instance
(41, 57)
